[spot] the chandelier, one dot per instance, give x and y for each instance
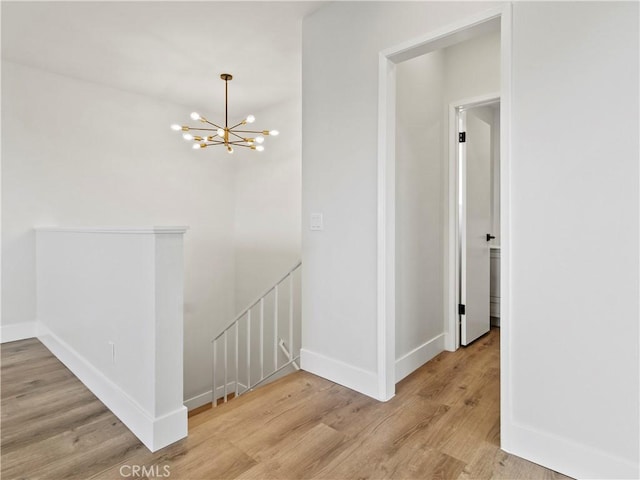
(227, 136)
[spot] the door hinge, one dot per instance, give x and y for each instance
(462, 137)
(461, 309)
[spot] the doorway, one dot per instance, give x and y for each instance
(488, 21)
(477, 216)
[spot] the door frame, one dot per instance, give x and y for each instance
(453, 235)
(386, 295)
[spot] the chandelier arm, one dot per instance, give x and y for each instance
(236, 135)
(215, 143)
(240, 145)
(202, 129)
(211, 123)
(237, 142)
(237, 125)
(250, 131)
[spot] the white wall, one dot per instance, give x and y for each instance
(572, 399)
(267, 205)
(81, 154)
(472, 68)
(419, 211)
(574, 236)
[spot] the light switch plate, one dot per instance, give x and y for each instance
(316, 221)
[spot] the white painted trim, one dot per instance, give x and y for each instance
(569, 458)
(121, 230)
(198, 400)
(386, 294)
(204, 398)
(460, 31)
(18, 331)
(451, 267)
(168, 429)
(417, 357)
(154, 432)
(337, 371)
(506, 417)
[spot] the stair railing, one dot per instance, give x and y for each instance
(229, 363)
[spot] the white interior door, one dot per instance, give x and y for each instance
(475, 222)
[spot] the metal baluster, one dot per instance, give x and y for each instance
(225, 366)
(248, 349)
(275, 329)
(262, 338)
(237, 342)
(214, 400)
(290, 316)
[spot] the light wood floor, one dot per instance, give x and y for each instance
(443, 423)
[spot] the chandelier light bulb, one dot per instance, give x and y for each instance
(176, 127)
(196, 146)
(187, 136)
(195, 116)
(260, 148)
(251, 119)
(229, 149)
(221, 132)
(274, 133)
(259, 139)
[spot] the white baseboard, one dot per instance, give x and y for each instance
(417, 357)
(347, 375)
(198, 400)
(567, 457)
(204, 398)
(18, 331)
(154, 432)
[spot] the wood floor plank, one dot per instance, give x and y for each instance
(471, 420)
(38, 375)
(376, 450)
(466, 423)
(16, 435)
(87, 461)
(355, 415)
(17, 352)
(191, 458)
(47, 454)
(256, 437)
(298, 455)
(492, 463)
(450, 374)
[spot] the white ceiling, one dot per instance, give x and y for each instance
(173, 51)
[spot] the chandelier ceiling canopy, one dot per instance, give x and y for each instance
(228, 136)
